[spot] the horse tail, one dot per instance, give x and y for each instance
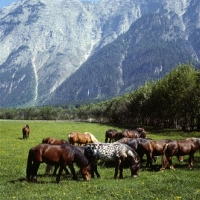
(29, 166)
(164, 157)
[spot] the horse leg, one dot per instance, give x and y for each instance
(35, 168)
(190, 161)
(66, 171)
(55, 170)
(71, 167)
(117, 165)
(170, 163)
(94, 169)
(121, 170)
(59, 173)
(106, 139)
(149, 160)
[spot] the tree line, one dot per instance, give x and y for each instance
(173, 101)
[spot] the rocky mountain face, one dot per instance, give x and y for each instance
(59, 51)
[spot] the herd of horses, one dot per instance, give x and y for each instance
(124, 148)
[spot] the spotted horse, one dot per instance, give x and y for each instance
(117, 152)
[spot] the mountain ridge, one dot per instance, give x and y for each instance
(47, 43)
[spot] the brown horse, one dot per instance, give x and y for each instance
(136, 144)
(54, 141)
(110, 134)
(79, 138)
(180, 148)
(25, 131)
(61, 155)
(154, 148)
(138, 133)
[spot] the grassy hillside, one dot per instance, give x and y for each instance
(179, 184)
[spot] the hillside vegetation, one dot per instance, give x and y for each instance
(170, 102)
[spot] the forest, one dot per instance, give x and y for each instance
(170, 102)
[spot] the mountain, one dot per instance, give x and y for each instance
(62, 51)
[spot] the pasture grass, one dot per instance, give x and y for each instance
(181, 183)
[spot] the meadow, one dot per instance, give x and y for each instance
(181, 183)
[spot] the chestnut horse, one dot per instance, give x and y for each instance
(54, 141)
(110, 134)
(154, 148)
(61, 155)
(25, 131)
(180, 148)
(79, 138)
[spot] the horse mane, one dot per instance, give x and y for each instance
(92, 137)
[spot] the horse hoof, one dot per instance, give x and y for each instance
(134, 176)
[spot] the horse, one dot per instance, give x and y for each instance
(54, 141)
(61, 155)
(179, 148)
(25, 131)
(136, 144)
(138, 133)
(110, 134)
(154, 148)
(117, 152)
(79, 138)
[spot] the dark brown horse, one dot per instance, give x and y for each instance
(136, 144)
(79, 138)
(110, 134)
(54, 141)
(25, 131)
(138, 133)
(61, 155)
(180, 148)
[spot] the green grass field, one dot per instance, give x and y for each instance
(181, 183)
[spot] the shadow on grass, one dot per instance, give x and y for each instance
(64, 177)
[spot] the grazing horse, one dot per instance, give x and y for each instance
(79, 138)
(154, 148)
(110, 134)
(118, 153)
(25, 131)
(136, 144)
(180, 148)
(138, 133)
(54, 141)
(61, 155)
